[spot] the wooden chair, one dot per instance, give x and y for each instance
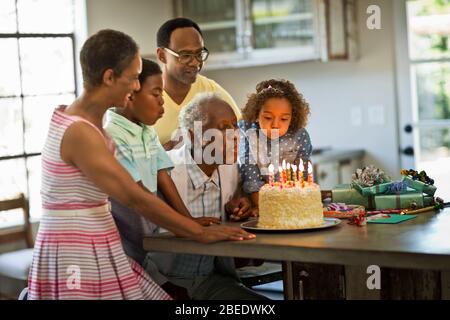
(15, 265)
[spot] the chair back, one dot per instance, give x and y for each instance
(24, 232)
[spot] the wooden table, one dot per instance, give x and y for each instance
(420, 243)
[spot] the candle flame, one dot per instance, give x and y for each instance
(288, 166)
(301, 167)
(294, 167)
(310, 167)
(283, 165)
(271, 168)
(280, 169)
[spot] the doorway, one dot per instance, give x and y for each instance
(424, 88)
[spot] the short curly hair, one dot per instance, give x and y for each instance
(273, 88)
(107, 49)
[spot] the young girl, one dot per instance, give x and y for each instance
(272, 130)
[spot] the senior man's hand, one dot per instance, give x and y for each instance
(239, 209)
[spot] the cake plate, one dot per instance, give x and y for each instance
(252, 225)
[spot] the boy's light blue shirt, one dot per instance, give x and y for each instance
(138, 149)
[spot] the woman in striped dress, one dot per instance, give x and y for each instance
(78, 253)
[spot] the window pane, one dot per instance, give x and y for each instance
(202, 11)
(220, 40)
(11, 131)
(12, 183)
(435, 158)
(286, 23)
(434, 143)
(9, 66)
(217, 19)
(45, 16)
(8, 16)
(433, 90)
(38, 111)
(429, 28)
(34, 182)
(12, 178)
(11, 218)
(47, 65)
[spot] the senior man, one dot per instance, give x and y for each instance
(207, 178)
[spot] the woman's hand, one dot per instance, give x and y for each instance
(207, 221)
(217, 233)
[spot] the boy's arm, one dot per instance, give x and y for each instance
(170, 192)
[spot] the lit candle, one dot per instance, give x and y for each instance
(294, 169)
(301, 169)
(310, 173)
(288, 172)
(271, 169)
(280, 170)
(283, 166)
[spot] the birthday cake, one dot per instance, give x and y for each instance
(290, 206)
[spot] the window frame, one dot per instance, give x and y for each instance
(76, 37)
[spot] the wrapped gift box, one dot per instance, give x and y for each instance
(374, 190)
(420, 186)
(428, 201)
(344, 193)
(398, 201)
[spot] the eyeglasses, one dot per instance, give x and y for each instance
(185, 58)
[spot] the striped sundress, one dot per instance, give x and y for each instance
(78, 253)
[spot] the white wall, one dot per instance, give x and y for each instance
(138, 18)
(332, 88)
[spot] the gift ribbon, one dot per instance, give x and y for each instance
(397, 201)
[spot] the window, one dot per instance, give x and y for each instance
(37, 42)
(255, 32)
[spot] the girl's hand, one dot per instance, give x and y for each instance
(207, 221)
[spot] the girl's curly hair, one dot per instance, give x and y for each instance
(272, 88)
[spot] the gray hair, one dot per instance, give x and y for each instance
(192, 112)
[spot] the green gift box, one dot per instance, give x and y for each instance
(373, 190)
(398, 201)
(344, 193)
(420, 186)
(428, 201)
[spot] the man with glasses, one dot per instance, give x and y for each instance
(183, 53)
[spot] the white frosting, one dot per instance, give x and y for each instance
(290, 208)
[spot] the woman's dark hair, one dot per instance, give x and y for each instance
(149, 68)
(107, 49)
(272, 88)
(165, 31)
